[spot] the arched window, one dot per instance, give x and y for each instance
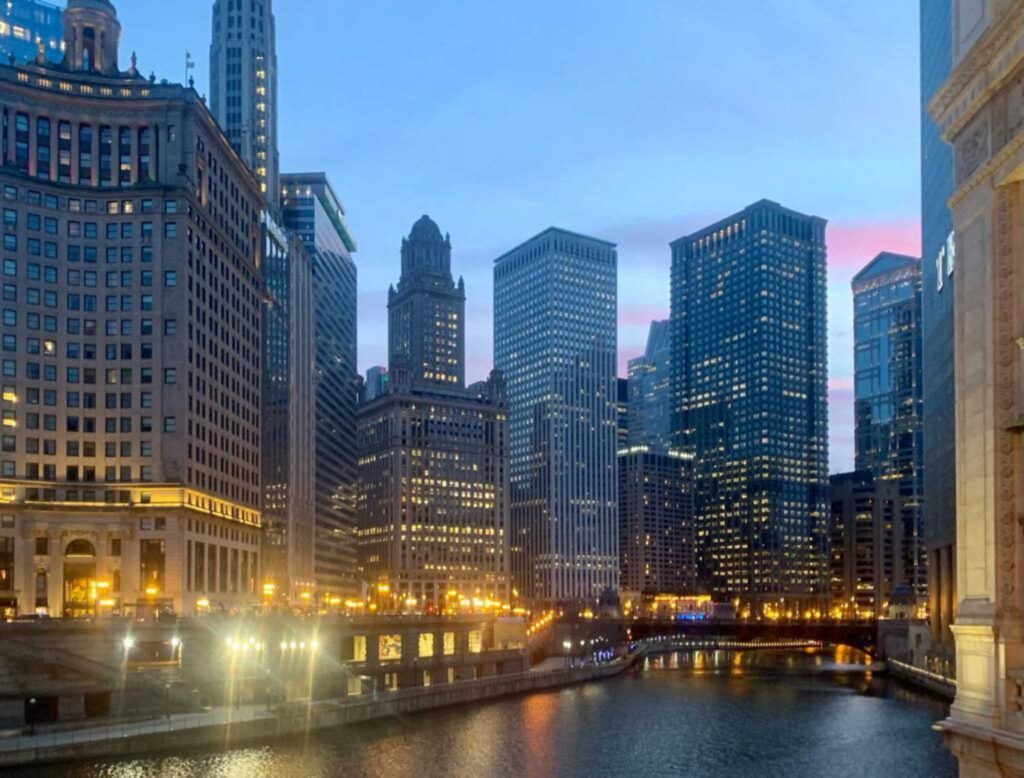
(115, 583)
(80, 547)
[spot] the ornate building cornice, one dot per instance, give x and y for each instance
(980, 73)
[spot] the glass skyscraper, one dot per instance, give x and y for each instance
(288, 461)
(749, 384)
(938, 252)
(555, 339)
(25, 25)
(650, 390)
(311, 208)
(887, 395)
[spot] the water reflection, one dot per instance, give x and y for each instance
(694, 713)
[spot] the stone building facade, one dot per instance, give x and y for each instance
(130, 465)
(980, 111)
(433, 453)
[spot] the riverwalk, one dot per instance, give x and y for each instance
(233, 726)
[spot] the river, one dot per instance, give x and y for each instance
(736, 714)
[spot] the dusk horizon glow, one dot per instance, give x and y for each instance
(633, 127)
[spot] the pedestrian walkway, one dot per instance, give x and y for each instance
(176, 722)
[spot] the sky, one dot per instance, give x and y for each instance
(637, 123)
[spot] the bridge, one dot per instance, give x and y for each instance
(857, 634)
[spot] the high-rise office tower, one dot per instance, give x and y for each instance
(243, 85)
(887, 394)
(650, 391)
(427, 312)
(938, 252)
(289, 383)
(749, 367)
(555, 340)
(26, 26)
(866, 550)
(132, 338)
(621, 413)
(433, 485)
(376, 383)
(656, 530)
(311, 209)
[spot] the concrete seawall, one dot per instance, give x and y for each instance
(187, 733)
(932, 682)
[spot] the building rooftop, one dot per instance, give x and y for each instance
(886, 262)
(557, 231)
(728, 220)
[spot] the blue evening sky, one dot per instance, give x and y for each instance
(635, 122)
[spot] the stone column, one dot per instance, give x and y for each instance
(988, 625)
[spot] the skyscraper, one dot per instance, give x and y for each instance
(749, 368)
(887, 394)
(243, 85)
(131, 438)
(376, 383)
(27, 25)
(656, 530)
(555, 340)
(621, 413)
(433, 485)
(311, 208)
(426, 314)
(289, 381)
(650, 390)
(866, 543)
(938, 247)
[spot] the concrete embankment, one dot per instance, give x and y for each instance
(224, 728)
(932, 682)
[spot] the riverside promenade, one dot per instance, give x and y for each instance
(228, 727)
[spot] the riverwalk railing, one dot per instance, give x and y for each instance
(936, 682)
(262, 721)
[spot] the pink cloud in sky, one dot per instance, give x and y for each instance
(852, 244)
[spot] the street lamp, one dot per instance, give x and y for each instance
(32, 716)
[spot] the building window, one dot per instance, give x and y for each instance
(151, 564)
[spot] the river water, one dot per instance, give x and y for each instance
(736, 714)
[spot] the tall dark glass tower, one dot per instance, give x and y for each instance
(311, 208)
(749, 375)
(427, 313)
(887, 395)
(938, 252)
(650, 390)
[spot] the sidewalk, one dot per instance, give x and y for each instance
(176, 723)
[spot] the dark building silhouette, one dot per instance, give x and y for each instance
(938, 252)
